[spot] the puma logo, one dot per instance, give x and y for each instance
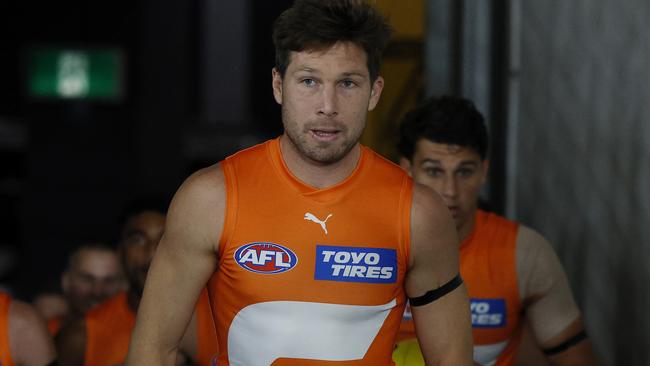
(311, 217)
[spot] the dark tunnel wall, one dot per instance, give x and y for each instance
(82, 160)
(72, 165)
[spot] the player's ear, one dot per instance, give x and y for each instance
(375, 92)
(406, 165)
(277, 85)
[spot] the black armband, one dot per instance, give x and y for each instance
(434, 295)
(566, 344)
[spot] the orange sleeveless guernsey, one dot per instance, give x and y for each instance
(108, 332)
(5, 350)
(207, 347)
(109, 327)
(488, 267)
(54, 325)
(310, 276)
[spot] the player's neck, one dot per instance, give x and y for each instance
(315, 174)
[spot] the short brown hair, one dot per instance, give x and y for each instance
(318, 24)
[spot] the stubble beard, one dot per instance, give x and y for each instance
(321, 152)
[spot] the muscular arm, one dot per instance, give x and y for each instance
(184, 261)
(443, 326)
(29, 340)
(551, 310)
(189, 342)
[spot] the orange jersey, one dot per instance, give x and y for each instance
(488, 267)
(109, 327)
(54, 325)
(207, 347)
(5, 350)
(310, 276)
(108, 332)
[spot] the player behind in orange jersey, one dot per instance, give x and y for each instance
(102, 336)
(310, 243)
(93, 274)
(510, 270)
(24, 339)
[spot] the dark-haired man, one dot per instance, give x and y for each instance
(310, 242)
(102, 336)
(93, 274)
(510, 270)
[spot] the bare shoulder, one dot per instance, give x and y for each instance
(529, 239)
(539, 269)
(197, 208)
(29, 338)
(205, 184)
(431, 224)
(428, 208)
(534, 253)
(23, 318)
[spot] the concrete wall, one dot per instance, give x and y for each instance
(583, 166)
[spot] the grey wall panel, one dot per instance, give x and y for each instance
(583, 146)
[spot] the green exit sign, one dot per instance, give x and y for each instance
(75, 74)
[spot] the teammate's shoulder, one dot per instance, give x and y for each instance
(530, 236)
(530, 243)
(25, 322)
(23, 314)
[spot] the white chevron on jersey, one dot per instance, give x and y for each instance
(263, 332)
(486, 355)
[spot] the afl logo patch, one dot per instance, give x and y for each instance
(265, 258)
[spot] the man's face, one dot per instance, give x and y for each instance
(457, 173)
(95, 275)
(325, 97)
(140, 238)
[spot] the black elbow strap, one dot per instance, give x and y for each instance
(566, 344)
(434, 295)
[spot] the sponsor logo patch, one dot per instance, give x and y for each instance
(488, 313)
(265, 258)
(351, 264)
